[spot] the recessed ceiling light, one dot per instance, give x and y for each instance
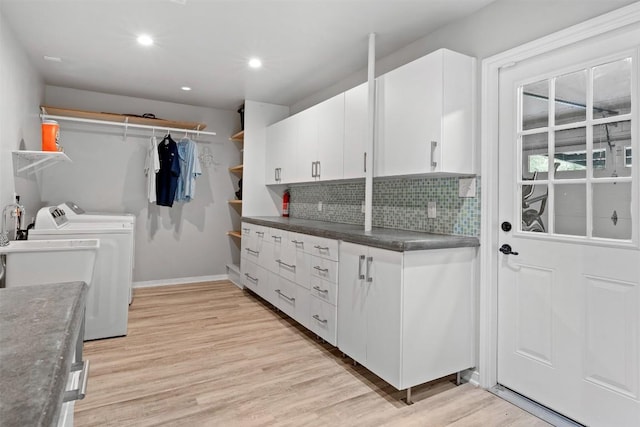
(145, 40)
(255, 63)
(186, 88)
(52, 58)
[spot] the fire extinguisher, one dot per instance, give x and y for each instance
(285, 203)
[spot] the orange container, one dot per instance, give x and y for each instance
(50, 135)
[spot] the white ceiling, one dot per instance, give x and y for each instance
(305, 45)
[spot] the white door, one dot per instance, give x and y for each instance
(352, 314)
(568, 297)
(355, 131)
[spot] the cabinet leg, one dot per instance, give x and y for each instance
(458, 379)
(408, 399)
(355, 363)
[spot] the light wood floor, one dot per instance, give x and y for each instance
(212, 354)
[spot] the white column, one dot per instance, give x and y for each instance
(368, 192)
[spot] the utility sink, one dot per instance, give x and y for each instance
(36, 262)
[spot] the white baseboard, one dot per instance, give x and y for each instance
(472, 376)
(180, 281)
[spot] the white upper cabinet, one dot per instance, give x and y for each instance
(425, 116)
(355, 131)
(331, 122)
(307, 146)
(281, 151)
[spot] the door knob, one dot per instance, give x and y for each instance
(506, 226)
(506, 249)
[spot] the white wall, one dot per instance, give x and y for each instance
(21, 92)
(186, 241)
(259, 200)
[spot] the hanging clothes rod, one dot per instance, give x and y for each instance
(125, 124)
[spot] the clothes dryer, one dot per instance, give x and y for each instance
(77, 214)
(108, 298)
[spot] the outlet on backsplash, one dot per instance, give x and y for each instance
(320, 206)
(431, 209)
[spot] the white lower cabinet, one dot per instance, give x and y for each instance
(323, 319)
(407, 317)
(291, 298)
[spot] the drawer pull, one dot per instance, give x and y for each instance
(315, 316)
(360, 262)
(321, 248)
(246, 230)
(260, 233)
(317, 267)
(248, 276)
(317, 288)
(293, 267)
(369, 261)
(298, 242)
(79, 393)
(284, 296)
(434, 144)
(278, 238)
(252, 251)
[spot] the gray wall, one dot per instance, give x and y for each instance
(186, 241)
(21, 92)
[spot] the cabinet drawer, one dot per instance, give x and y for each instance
(292, 299)
(323, 290)
(323, 319)
(324, 248)
(301, 242)
(324, 269)
(255, 277)
(258, 254)
(275, 235)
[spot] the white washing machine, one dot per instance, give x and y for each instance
(108, 298)
(76, 214)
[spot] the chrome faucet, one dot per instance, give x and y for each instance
(4, 233)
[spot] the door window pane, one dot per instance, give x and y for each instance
(612, 141)
(612, 210)
(534, 207)
(535, 105)
(571, 98)
(535, 156)
(570, 159)
(570, 206)
(612, 89)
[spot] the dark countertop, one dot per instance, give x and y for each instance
(385, 238)
(39, 326)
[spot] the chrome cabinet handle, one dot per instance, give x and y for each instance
(293, 267)
(365, 162)
(275, 174)
(315, 316)
(260, 233)
(360, 275)
(318, 169)
(246, 230)
(434, 144)
(252, 251)
(250, 277)
(321, 248)
(284, 296)
(79, 393)
(298, 242)
(369, 261)
(317, 267)
(317, 288)
(278, 238)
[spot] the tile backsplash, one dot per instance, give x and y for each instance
(399, 203)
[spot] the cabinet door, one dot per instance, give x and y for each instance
(306, 145)
(383, 279)
(409, 117)
(355, 131)
(351, 301)
(281, 151)
(330, 118)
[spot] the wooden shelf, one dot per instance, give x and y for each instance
(235, 233)
(120, 118)
(235, 202)
(236, 169)
(34, 161)
(238, 136)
